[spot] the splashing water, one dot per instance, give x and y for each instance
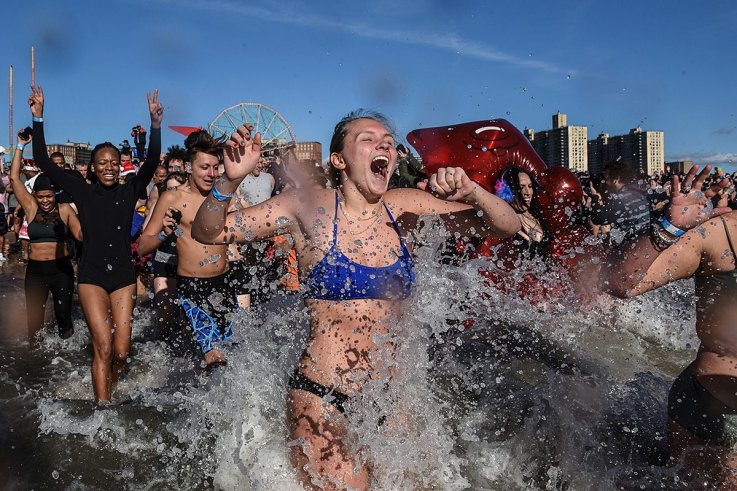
(544, 396)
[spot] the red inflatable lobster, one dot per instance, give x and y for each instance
(485, 150)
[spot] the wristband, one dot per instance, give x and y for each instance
(20, 146)
(161, 236)
(38, 120)
(659, 240)
(220, 197)
(670, 228)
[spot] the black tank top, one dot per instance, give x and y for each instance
(47, 227)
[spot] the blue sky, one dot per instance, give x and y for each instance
(667, 66)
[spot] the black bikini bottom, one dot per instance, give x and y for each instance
(299, 381)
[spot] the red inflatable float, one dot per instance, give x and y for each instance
(485, 150)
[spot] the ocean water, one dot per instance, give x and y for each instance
(554, 395)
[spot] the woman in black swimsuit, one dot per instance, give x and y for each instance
(49, 266)
(106, 278)
(695, 239)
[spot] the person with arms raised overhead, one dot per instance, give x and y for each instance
(106, 278)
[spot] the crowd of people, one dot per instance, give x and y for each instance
(215, 227)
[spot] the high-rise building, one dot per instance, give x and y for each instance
(563, 146)
(310, 151)
(679, 166)
(644, 151)
(73, 152)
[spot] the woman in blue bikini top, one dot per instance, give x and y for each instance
(350, 243)
(337, 277)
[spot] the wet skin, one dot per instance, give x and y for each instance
(342, 349)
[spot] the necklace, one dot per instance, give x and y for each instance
(360, 232)
(374, 213)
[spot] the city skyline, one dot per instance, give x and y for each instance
(425, 65)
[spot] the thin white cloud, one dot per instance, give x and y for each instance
(446, 42)
(715, 158)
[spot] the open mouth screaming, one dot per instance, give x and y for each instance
(380, 167)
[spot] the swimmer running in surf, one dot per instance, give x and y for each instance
(356, 268)
(702, 403)
(201, 269)
(49, 267)
(106, 278)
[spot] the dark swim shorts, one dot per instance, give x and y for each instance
(693, 407)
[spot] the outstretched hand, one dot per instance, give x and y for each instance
(155, 109)
(450, 183)
(689, 205)
(242, 153)
(36, 101)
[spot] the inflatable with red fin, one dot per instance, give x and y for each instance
(485, 150)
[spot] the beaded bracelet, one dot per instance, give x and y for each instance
(659, 239)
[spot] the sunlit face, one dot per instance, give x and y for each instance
(527, 191)
(107, 166)
(46, 199)
(175, 165)
(160, 174)
(82, 169)
(58, 161)
(259, 167)
(205, 169)
(369, 156)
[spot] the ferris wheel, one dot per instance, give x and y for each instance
(276, 132)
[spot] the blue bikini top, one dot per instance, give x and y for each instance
(336, 277)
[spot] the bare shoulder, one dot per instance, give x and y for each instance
(406, 198)
(65, 210)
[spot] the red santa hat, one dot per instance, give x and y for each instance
(127, 168)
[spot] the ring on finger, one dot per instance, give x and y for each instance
(686, 189)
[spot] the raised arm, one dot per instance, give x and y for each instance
(26, 199)
(67, 182)
(466, 207)
(675, 248)
(213, 224)
(147, 170)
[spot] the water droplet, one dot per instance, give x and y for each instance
(55, 474)
(509, 112)
(483, 149)
(568, 76)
